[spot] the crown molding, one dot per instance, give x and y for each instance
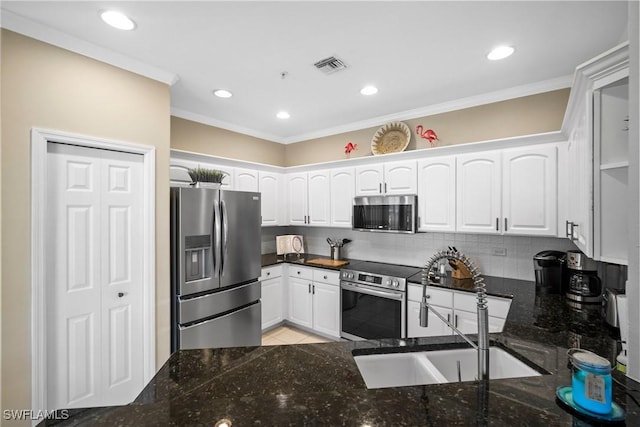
(27, 27)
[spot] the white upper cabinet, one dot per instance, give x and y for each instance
(400, 178)
(478, 195)
(342, 192)
(387, 178)
(269, 187)
(369, 180)
(319, 198)
(530, 191)
(297, 200)
(179, 171)
(245, 180)
(437, 194)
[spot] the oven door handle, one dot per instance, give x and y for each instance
(361, 289)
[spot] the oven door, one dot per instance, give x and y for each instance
(371, 313)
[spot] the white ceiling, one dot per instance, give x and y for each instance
(420, 54)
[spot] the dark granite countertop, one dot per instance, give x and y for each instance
(319, 384)
(273, 259)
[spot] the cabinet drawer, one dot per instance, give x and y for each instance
(326, 276)
(498, 307)
(301, 272)
(441, 297)
(271, 272)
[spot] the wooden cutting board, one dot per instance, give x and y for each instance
(328, 262)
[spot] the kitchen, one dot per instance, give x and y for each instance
(156, 127)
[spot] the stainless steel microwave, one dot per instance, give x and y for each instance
(391, 214)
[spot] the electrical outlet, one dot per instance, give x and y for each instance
(500, 251)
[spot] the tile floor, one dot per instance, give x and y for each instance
(289, 335)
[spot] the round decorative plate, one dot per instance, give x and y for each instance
(391, 138)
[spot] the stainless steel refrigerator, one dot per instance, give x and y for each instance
(215, 267)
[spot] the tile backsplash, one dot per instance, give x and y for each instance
(501, 256)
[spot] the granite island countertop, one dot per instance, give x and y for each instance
(319, 384)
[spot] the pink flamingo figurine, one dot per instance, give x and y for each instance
(349, 148)
(428, 134)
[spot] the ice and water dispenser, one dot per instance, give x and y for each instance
(197, 258)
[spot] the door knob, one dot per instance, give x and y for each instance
(121, 294)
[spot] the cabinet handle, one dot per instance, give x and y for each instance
(497, 224)
(309, 287)
(455, 320)
(575, 239)
(448, 317)
(568, 229)
(505, 224)
(380, 185)
(313, 289)
(385, 187)
(298, 272)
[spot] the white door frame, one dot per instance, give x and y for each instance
(39, 140)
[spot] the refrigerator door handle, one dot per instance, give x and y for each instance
(225, 236)
(216, 238)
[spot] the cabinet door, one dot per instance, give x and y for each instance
(245, 180)
(297, 189)
(326, 309)
(271, 302)
(400, 178)
(529, 190)
(179, 171)
(467, 322)
(478, 195)
(436, 326)
(269, 186)
(319, 198)
(437, 194)
(369, 180)
(300, 302)
(342, 192)
(581, 187)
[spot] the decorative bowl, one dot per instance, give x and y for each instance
(391, 138)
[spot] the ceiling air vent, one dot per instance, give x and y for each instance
(330, 65)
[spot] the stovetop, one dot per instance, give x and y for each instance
(382, 269)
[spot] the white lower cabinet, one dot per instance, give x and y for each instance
(272, 296)
(314, 299)
(459, 308)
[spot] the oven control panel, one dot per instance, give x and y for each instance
(374, 280)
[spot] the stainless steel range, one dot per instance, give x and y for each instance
(374, 300)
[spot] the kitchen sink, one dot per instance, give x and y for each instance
(397, 369)
(501, 364)
(437, 367)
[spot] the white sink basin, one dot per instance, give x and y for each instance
(397, 369)
(436, 367)
(501, 364)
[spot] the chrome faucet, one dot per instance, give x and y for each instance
(483, 315)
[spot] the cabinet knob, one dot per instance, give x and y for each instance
(268, 273)
(121, 294)
(325, 277)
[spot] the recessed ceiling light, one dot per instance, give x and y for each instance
(222, 93)
(117, 20)
(369, 90)
(283, 115)
(500, 52)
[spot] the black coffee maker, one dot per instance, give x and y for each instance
(549, 269)
(583, 286)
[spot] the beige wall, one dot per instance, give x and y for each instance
(48, 87)
(520, 116)
(198, 138)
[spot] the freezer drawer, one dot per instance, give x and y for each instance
(205, 306)
(237, 329)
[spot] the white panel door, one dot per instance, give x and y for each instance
(400, 178)
(269, 189)
(478, 195)
(94, 259)
(369, 180)
(319, 198)
(245, 180)
(437, 194)
(530, 190)
(343, 184)
(326, 308)
(297, 199)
